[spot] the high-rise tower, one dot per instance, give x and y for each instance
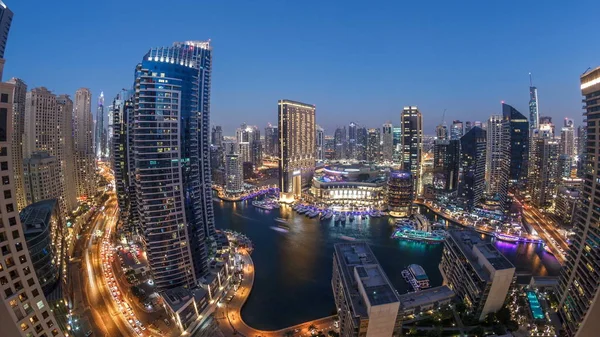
(172, 160)
(497, 159)
(5, 20)
(374, 145)
(99, 135)
(297, 131)
(411, 122)
(85, 163)
(579, 287)
(387, 138)
(18, 125)
(534, 115)
(320, 141)
(519, 143)
(472, 158)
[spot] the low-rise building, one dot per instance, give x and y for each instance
(476, 271)
(185, 306)
(366, 301)
(424, 300)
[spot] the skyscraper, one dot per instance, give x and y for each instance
(99, 136)
(234, 181)
(340, 143)
(271, 140)
(472, 157)
(85, 165)
(468, 126)
(351, 148)
(411, 122)
(24, 310)
(18, 126)
(374, 145)
(497, 159)
(544, 178)
(361, 143)
(456, 131)
(567, 138)
(297, 131)
(320, 141)
(66, 151)
(42, 177)
(387, 149)
(216, 136)
(123, 160)
(534, 115)
(44, 136)
(172, 165)
(5, 20)
(579, 297)
(397, 133)
(446, 164)
(519, 143)
(441, 132)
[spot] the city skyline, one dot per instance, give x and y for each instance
(401, 78)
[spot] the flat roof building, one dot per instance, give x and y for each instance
(367, 302)
(477, 272)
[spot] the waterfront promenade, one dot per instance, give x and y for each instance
(228, 315)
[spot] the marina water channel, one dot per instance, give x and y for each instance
(293, 269)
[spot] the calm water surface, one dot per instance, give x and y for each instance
(293, 270)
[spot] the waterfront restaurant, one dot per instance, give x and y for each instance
(349, 186)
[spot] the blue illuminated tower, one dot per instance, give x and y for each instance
(534, 115)
(172, 160)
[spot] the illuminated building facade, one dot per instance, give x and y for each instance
(320, 141)
(387, 140)
(85, 160)
(234, 182)
(24, 310)
(534, 114)
(456, 130)
(172, 168)
(18, 126)
(400, 193)
(349, 186)
(411, 122)
(544, 178)
(579, 287)
(497, 159)
(519, 143)
(472, 162)
(297, 132)
(374, 145)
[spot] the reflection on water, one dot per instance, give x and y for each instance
(293, 269)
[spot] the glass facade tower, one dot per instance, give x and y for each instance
(519, 143)
(172, 160)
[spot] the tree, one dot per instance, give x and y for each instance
(461, 307)
(478, 331)
(312, 327)
(412, 331)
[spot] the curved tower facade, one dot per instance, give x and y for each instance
(171, 153)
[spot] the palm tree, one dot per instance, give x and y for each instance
(312, 327)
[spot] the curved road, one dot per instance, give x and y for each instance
(231, 322)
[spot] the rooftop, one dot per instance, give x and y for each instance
(469, 242)
(425, 297)
(358, 264)
(177, 298)
(36, 217)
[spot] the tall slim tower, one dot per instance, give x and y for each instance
(66, 152)
(519, 143)
(374, 145)
(497, 159)
(544, 178)
(456, 130)
(320, 141)
(18, 125)
(171, 145)
(351, 148)
(567, 138)
(99, 136)
(5, 20)
(534, 114)
(340, 143)
(297, 130)
(472, 157)
(579, 286)
(387, 138)
(411, 122)
(85, 164)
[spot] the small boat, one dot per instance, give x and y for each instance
(506, 237)
(279, 229)
(281, 220)
(347, 238)
(419, 275)
(351, 217)
(275, 205)
(262, 205)
(313, 214)
(302, 210)
(343, 218)
(326, 216)
(336, 218)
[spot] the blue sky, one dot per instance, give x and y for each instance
(356, 61)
